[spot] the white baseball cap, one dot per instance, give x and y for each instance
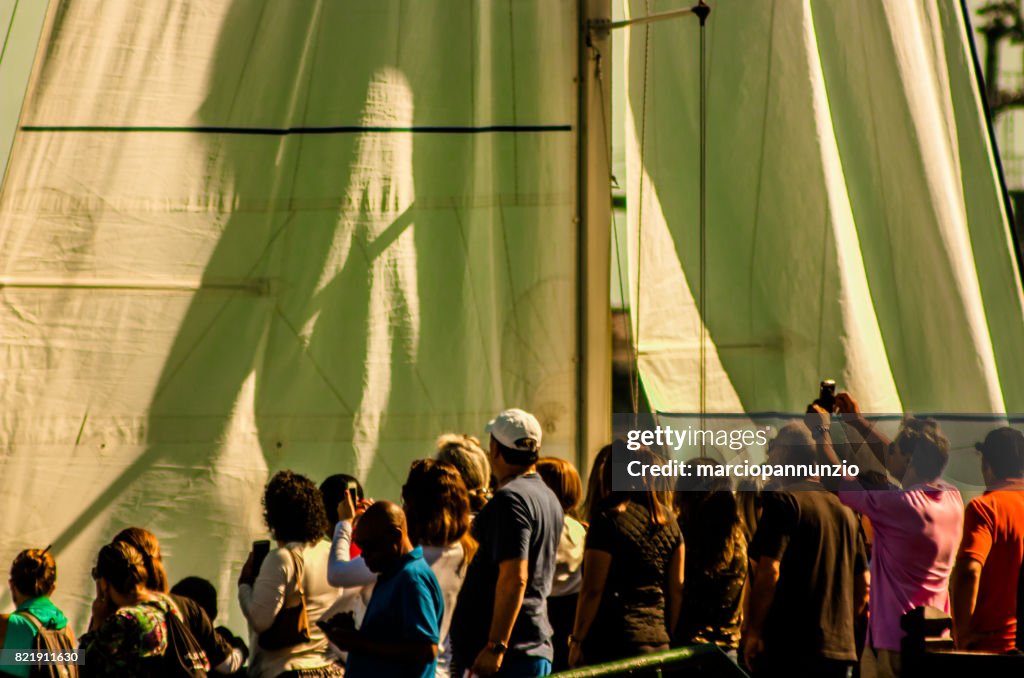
(513, 426)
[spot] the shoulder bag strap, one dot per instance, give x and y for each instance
(32, 619)
(300, 567)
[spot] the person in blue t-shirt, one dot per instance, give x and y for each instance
(402, 625)
(33, 580)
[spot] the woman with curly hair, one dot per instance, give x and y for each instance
(295, 571)
(130, 627)
(436, 506)
(33, 580)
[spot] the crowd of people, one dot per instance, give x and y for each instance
(496, 562)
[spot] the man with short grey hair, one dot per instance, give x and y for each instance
(500, 626)
(810, 583)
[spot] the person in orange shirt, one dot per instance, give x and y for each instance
(984, 581)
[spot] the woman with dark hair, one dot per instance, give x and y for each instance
(33, 580)
(225, 658)
(632, 571)
(436, 506)
(596, 491)
(333, 490)
(564, 481)
(129, 630)
(716, 563)
(293, 573)
(203, 594)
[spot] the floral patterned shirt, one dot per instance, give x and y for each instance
(128, 638)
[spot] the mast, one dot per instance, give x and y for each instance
(593, 220)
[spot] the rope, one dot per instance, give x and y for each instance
(10, 26)
(701, 10)
(635, 386)
(702, 219)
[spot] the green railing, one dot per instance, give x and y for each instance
(692, 661)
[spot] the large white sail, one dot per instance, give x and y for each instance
(237, 236)
(855, 221)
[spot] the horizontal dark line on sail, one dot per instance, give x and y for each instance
(285, 131)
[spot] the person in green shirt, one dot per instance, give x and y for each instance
(33, 579)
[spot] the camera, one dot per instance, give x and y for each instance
(827, 395)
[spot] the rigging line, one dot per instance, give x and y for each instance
(282, 131)
(472, 60)
(702, 11)
(308, 355)
(629, 326)
(650, 18)
(635, 385)
(7, 36)
(605, 126)
(168, 374)
(703, 243)
(44, 31)
(515, 117)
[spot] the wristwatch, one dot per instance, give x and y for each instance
(497, 647)
(573, 640)
(820, 430)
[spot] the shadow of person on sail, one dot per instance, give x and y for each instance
(238, 377)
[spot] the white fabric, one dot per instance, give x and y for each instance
(449, 566)
(856, 229)
(569, 559)
(185, 310)
(274, 589)
(234, 661)
(20, 27)
(342, 569)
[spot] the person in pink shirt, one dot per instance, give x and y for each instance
(917, 520)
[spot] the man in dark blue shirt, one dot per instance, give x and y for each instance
(500, 626)
(401, 628)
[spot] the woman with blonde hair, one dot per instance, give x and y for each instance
(564, 481)
(464, 452)
(436, 506)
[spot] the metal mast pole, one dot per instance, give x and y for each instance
(593, 220)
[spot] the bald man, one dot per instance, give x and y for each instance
(401, 628)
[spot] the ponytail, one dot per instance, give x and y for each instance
(122, 566)
(146, 543)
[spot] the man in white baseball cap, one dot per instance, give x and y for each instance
(500, 625)
(517, 431)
